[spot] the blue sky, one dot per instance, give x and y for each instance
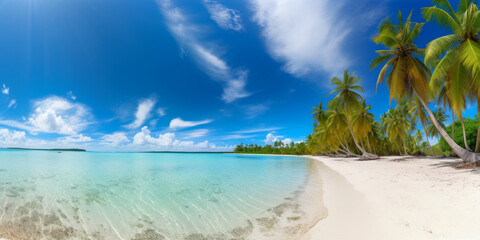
(181, 75)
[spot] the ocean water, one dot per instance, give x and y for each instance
(90, 195)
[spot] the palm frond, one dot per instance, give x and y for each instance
(441, 17)
(444, 65)
(463, 5)
(470, 56)
(445, 4)
(438, 47)
(417, 28)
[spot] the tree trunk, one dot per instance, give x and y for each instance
(464, 135)
(346, 143)
(365, 154)
(426, 136)
(361, 144)
(453, 125)
(465, 155)
(477, 144)
(347, 150)
(404, 146)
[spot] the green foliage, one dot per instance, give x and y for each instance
(278, 148)
(471, 126)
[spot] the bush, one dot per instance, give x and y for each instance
(471, 126)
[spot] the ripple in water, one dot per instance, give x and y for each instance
(156, 196)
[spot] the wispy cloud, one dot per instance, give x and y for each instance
(188, 35)
(255, 110)
(71, 96)
(226, 18)
(196, 133)
(13, 103)
(55, 115)
(115, 139)
(161, 112)
(178, 123)
(144, 108)
(257, 130)
(237, 136)
(80, 138)
(315, 40)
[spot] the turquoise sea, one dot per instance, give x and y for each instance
(94, 195)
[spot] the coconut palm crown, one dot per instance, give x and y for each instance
(405, 73)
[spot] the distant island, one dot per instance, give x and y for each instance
(50, 149)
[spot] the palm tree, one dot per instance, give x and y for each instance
(443, 89)
(407, 75)
(336, 126)
(418, 114)
(456, 57)
(319, 116)
(362, 123)
(396, 125)
(348, 98)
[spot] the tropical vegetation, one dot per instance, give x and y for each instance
(278, 147)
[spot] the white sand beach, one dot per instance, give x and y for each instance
(398, 198)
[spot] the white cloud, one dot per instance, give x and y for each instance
(80, 138)
(11, 138)
(196, 133)
(178, 123)
(13, 103)
(115, 139)
(71, 96)
(310, 36)
(270, 139)
(5, 90)
(167, 141)
(144, 108)
(54, 115)
(187, 34)
(144, 137)
(226, 18)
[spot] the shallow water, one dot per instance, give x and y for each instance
(88, 195)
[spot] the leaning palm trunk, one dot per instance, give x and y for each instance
(347, 150)
(453, 124)
(477, 144)
(365, 154)
(465, 155)
(464, 135)
(428, 141)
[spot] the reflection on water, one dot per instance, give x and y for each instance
(153, 196)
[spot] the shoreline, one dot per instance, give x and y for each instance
(398, 198)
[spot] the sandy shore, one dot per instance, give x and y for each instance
(398, 198)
